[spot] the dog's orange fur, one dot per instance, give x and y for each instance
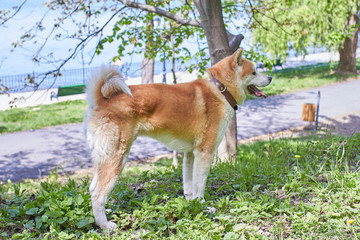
(190, 117)
(176, 110)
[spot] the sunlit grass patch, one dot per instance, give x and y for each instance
(305, 77)
(30, 118)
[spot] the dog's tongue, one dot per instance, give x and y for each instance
(257, 92)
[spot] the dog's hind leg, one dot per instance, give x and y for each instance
(105, 177)
(109, 154)
(188, 165)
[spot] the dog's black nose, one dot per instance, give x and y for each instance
(270, 79)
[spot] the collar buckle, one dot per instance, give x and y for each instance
(222, 88)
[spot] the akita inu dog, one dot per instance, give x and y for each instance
(188, 117)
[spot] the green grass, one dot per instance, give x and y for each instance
(305, 77)
(19, 119)
(284, 81)
(278, 189)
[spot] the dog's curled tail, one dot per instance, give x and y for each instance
(105, 82)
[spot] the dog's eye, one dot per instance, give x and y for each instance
(254, 73)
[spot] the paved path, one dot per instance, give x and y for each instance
(35, 153)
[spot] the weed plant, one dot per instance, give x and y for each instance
(302, 188)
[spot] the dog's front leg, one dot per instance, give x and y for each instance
(188, 165)
(201, 170)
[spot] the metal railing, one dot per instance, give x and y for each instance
(38, 81)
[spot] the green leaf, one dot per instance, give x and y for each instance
(67, 202)
(31, 211)
(39, 224)
(79, 199)
(44, 218)
(82, 223)
(61, 220)
(29, 224)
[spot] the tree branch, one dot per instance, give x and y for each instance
(79, 45)
(273, 19)
(16, 12)
(149, 8)
(234, 41)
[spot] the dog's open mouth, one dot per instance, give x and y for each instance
(255, 91)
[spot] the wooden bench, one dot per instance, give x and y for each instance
(67, 91)
(278, 63)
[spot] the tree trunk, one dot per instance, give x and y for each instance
(175, 158)
(347, 50)
(147, 64)
(213, 24)
(216, 36)
(147, 71)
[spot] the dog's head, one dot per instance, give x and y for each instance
(239, 76)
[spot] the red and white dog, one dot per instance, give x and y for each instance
(188, 117)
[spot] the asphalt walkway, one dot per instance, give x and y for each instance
(32, 154)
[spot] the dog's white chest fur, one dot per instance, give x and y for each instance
(174, 143)
(229, 113)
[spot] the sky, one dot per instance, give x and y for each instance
(18, 60)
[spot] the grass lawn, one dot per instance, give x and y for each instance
(19, 119)
(284, 81)
(279, 189)
(293, 79)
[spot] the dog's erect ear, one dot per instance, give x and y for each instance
(238, 56)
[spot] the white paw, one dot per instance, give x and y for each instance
(109, 225)
(201, 199)
(211, 210)
(188, 196)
